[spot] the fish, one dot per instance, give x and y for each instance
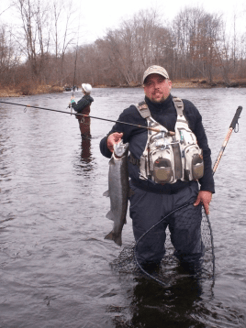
(118, 191)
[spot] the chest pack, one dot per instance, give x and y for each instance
(170, 156)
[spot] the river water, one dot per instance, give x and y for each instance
(56, 267)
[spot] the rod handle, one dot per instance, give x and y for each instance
(236, 117)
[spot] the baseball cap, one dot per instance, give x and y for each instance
(155, 69)
(86, 87)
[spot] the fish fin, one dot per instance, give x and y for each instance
(110, 215)
(116, 239)
(106, 193)
(109, 236)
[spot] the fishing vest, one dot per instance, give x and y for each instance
(170, 156)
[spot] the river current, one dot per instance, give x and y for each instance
(56, 268)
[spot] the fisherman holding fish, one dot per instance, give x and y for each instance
(83, 107)
(169, 165)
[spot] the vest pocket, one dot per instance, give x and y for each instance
(194, 165)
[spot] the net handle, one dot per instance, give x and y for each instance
(232, 126)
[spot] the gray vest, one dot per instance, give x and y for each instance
(170, 156)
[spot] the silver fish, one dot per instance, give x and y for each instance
(118, 191)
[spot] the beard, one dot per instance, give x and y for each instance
(159, 100)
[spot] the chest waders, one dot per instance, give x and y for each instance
(170, 156)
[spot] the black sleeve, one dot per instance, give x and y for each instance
(82, 103)
(195, 123)
(207, 181)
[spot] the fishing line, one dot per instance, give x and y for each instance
(232, 127)
(76, 53)
(154, 226)
(85, 115)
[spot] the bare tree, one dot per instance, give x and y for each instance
(195, 45)
(9, 57)
(136, 44)
(199, 37)
(33, 15)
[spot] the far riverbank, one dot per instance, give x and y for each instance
(45, 89)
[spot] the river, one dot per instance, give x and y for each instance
(56, 267)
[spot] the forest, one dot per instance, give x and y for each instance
(43, 46)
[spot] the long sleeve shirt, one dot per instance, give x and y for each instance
(82, 103)
(165, 114)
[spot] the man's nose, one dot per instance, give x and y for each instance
(157, 85)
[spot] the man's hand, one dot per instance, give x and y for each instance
(71, 102)
(113, 139)
(204, 197)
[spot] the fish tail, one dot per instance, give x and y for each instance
(116, 238)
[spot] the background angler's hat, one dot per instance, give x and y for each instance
(86, 87)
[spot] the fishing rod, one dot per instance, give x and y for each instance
(73, 86)
(76, 55)
(75, 62)
(84, 115)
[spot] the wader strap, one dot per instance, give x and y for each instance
(179, 105)
(143, 109)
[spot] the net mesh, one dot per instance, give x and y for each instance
(170, 268)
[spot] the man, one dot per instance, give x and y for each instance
(164, 169)
(83, 107)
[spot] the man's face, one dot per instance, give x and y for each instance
(157, 88)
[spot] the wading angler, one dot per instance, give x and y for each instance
(169, 165)
(83, 107)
